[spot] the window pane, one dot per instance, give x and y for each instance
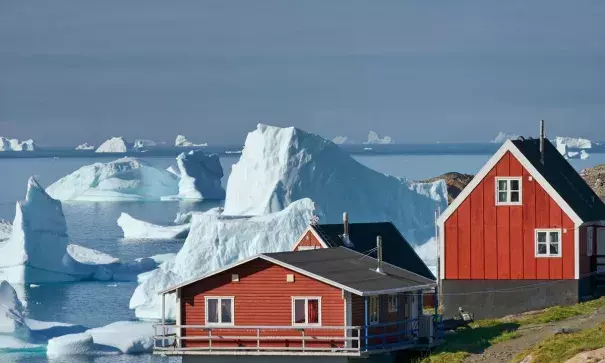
(554, 248)
(212, 310)
(541, 248)
(502, 197)
(313, 306)
(541, 236)
(299, 311)
(554, 236)
(502, 185)
(514, 196)
(514, 185)
(226, 311)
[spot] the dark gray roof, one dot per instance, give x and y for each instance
(396, 250)
(564, 179)
(350, 269)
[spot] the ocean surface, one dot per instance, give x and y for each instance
(93, 225)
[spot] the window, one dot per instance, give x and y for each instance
(393, 303)
(508, 191)
(219, 310)
(589, 240)
(374, 309)
(548, 243)
(305, 248)
(306, 311)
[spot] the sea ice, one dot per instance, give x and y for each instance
(374, 138)
(502, 137)
(122, 179)
(200, 175)
(85, 146)
(181, 141)
(215, 241)
(281, 165)
(114, 145)
(134, 228)
(7, 144)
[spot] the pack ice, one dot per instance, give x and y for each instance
(281, 165)
(38, 250)
(217, 240)
(181, 141)
(573, 147)
(122, 179)
(200, 175)
(114, 145)
(7, 144)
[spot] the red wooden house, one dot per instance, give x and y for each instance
(331, 302)
(523, 235)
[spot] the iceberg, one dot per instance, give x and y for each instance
(143, 144)
(6, 229)
(85, 146)
(340, 140)
(373, 138)
(122, 179)
(200, 175)
(281, 165)
(215, 241)
(573, 147)
(181, 141)
(114, 145)
(7, 144)
(134, 228)
(502, 137)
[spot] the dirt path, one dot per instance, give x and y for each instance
(532, 334)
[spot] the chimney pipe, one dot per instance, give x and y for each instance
(379, 253)
(345, 223)
(542, 142)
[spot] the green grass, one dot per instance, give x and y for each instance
(485, 333)
(560, 348)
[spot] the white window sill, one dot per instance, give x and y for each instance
(219, 325)
(548, 256)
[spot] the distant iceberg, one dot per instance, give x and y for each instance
(341, 140)
(181, 141)
(140, 144)
(374, 138)
(200, 176)
(85, 146)
(114, 145)
(7, 144)
(122, 179)
(573, 147)
(502, 137)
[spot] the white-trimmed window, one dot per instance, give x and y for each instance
(306, 311)
(374, 310)
(305, 248)
(393, 303)
(508, 191)
(589, 240)
(548, 243)
(219, 310)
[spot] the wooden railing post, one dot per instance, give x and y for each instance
(258, 340)
(210, 339)
(303, 340)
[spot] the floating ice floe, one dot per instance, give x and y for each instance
(7, 144)
(374, 138)
(114, 145)
(134, 228)
(181, 141)
(573, 147)
(85, 146)
(218, 240)
(502, 137)
(122, 179)
(200, 176)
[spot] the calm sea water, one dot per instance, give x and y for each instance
(94, 225)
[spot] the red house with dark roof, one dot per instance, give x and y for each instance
(525, 234)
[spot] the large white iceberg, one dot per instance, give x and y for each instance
(340, 140)
(374, 138)
(200, 175)
(134, 228)
(573, 147)
(181, 141)
(502, 137)
(7, 144)
(122, 179)
(114, 145)
(6, 229)
(85, 146)
(281, 165)
(217, 240)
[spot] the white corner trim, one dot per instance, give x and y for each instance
(441, 250)
(576, 258)
(312, 230)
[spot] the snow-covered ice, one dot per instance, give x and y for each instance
(281, 165)
(7, 144)
(573, 147)
(215, 241)
(502, 137)
(114, 145)
(122, 179)
(181, 141)
(134, 228)
(200, 175)
(89, 256)
(374, 138)
(6, 228)
(85, 146)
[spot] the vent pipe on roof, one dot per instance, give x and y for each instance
(345, 223)
(379, 253)
(542, 142)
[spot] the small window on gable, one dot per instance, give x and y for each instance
(548, 243)
(508, 191)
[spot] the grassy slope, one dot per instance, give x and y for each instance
(484, 333)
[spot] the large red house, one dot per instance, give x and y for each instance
(525, 234)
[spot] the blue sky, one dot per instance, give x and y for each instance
(74, 71)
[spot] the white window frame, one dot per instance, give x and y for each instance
(306, 248)
(508, 190)
(548, 231)
(370, 320)
(219, 307)
(306, 298)
(393, 303)
(589, 240)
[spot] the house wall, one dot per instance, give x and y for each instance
(485, 241)
(308, 240)
(262, 298)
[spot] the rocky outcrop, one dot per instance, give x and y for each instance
(455, 183)
(595, 177)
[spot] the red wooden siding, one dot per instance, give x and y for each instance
(308, 240)
(485, 241)
(262, 298)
